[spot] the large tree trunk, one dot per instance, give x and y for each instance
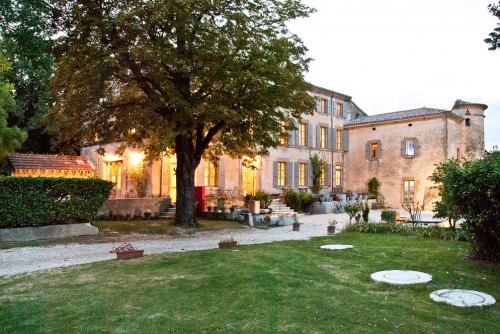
(186, 167)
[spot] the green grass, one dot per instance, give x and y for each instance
(280, 287)
(163, 226)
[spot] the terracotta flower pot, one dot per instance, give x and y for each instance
(130, 254)
(330, 230)
(227, 244)
(296, 227)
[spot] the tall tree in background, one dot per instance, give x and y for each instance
(197, 78)
(25, 41)
(10, 137)
(494, 38)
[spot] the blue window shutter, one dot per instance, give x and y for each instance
(318, 105)
(345, 140)
(309, 175)
(275, 174)
(318, 136)
(329, 107)
(344, 110)
(329, 175)
(330, 138)
(334, 108)
(296, 174)
(309, 135)
(289, 165)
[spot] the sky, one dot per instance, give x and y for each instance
(393, 55)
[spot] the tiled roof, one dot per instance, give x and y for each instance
(396, 116)
(45, 161)
(459, 103)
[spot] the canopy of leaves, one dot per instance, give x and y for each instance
(318, 168)
(10, 137)
(472, 191)
(25, 40)
(494, 39)
(225, 74)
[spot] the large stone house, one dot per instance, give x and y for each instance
(399, 149)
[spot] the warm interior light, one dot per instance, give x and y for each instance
(136, 158)
(111, 157)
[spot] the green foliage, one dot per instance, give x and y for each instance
(471, 190)
(297, 200)
(318, 168)
(11, 138)
(388, 216)
(264, 197)
(139, 178)
(494, 39)
(405, 230)
(353, 211)
(47, 201)
(366, 212)
(373, 187)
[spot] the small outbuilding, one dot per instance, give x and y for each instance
(47, 165)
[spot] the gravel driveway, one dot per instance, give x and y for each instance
(21, 260)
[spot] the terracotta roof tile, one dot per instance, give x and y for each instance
(46, 161)
(398, 115)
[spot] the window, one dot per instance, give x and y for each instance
(302, 174)
(323, 138)
(338, 175)
(113, 172)
(408, 191)
(303, 134)
(374, 150)
(340, 106)
(338, 140)
(322, 180)
(410, 148)
(324, 106)
(210, 174)
(467, 122)
(282, 177)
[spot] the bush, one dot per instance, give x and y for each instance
(388, 216)
(366, 212)
(49, 201)
(298, 201)
(262, 196)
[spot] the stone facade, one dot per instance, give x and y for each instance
(408, 143)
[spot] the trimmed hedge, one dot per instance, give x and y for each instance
(28, 201)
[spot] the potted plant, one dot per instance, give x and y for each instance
(330, 229)
(296, 224)
(147, 214)
(227, 242)
(127, 251)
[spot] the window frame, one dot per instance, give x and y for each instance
(302, 134)
(338, 140)
(408, 191)
(340, 107)
(324, 106)
(211, 173)
(302, 177)
(339, 171)
(113, 172)
(323, 137)
(282, 176)
(374, 150)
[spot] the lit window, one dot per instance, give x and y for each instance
(338, 142)
(210, 174)
(339, 109)
(322, 180)
(302, 174)
(324, 106)
(408, 191)
(303, 134)
(282, 174)
(374, 150)
(113, 172)
(338, 175)
(323, 137)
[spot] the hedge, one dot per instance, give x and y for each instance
(28, 201)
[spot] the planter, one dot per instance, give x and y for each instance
(330, 230)
(130, 255)
(296, 227)
(147, 215)
(227, 244)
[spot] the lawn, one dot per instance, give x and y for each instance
(282, 287)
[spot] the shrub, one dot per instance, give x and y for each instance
(366, 212)
(298, 201)
(353, 211)
(388, 216)
(264, 197)
(48, 201)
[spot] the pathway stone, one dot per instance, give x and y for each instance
(401, 277)
(336, 247)
(462, 298)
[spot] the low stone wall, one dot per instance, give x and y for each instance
(47, 232)
(328, 207)
(124, 206)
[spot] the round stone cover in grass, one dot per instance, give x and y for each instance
(401, 277)
(336, 247)
(462, 298)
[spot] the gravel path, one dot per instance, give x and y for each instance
(21, 260)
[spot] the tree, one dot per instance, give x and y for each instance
(198, 78)
(25, 41)
(494, 38)
(471, 190)
(319, 166)
(10, 137)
